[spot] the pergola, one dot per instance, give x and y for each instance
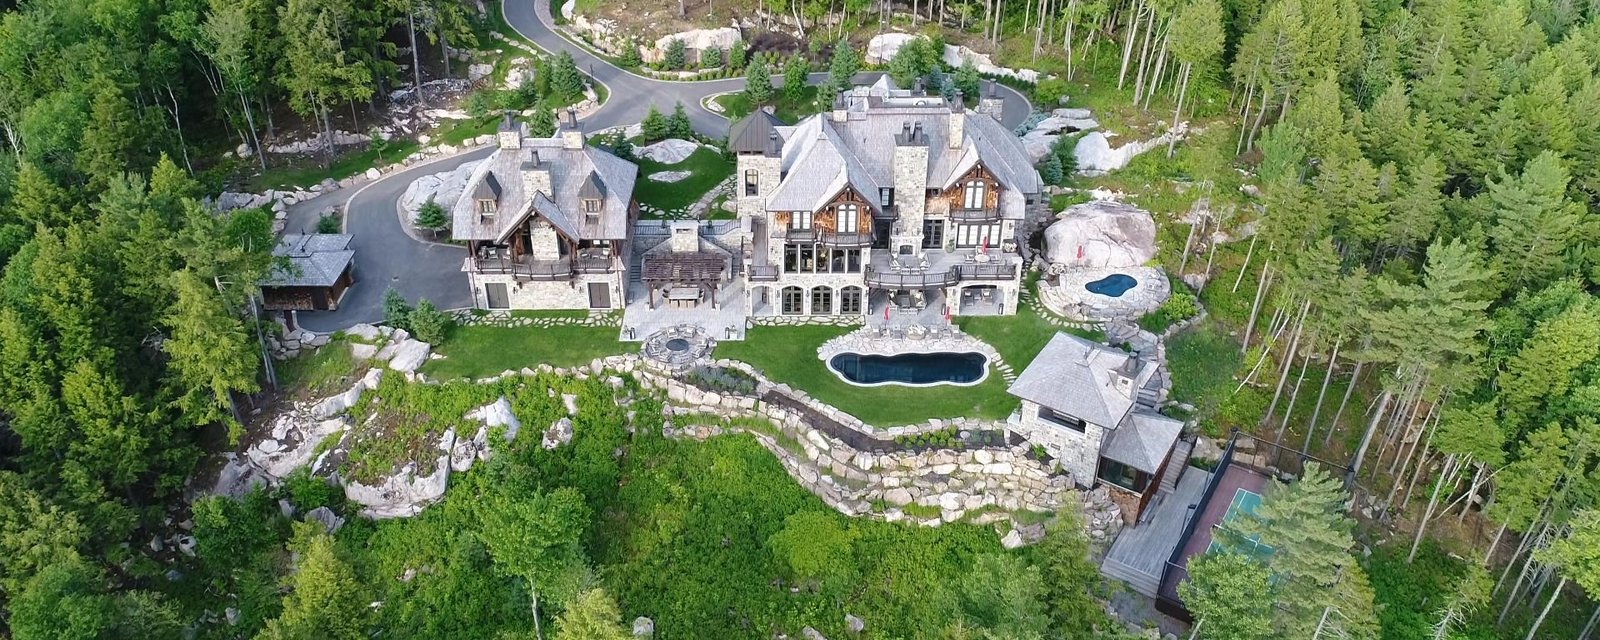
(678, 272)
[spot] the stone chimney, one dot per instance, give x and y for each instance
(958, 121)
(990, 104)
(685, 236)
(571, 134)
(535, 176)
(509, 134)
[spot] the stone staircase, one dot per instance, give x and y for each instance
(1175, 466)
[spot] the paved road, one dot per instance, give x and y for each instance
(386, 255)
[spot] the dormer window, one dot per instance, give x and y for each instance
(487, 195)
(591, 205)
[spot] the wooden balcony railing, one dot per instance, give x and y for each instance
(525, 269)
(969, 216)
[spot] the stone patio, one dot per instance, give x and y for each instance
(1063, 292)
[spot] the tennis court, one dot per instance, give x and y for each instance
(1244, 501)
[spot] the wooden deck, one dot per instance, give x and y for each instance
(1139, 553)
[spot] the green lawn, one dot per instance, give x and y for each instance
(737, 105)
(789, 355)
(475, 352)
(315, 374)
(707, 168)
(1018, 337)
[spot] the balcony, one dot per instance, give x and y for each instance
(763, 273)
(974, 216)
(525, 268)
(993, 271)
(940, 269)
(824, 236)
(910, 279)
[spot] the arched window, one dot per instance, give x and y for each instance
(752, 182)
(794, 301)
(849, 218)
(974, 195)
(850, 300)
(821, 301)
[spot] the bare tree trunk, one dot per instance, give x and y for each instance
(1161, 63)
(1177, 110)
(1249, 98)
(1250, 141)
(1405, 500)
(1323, 393)
(1294, 394)
(1366, 438)
(1127, 45)
(1255, 307)
(1522, 576)
(416, 58)
(1288, 363)
(1488, 556)
(1433, 500)
(1144, 55)
(537, 633)
(1472, 490)
(1247, 255)
(1547, 605)
(178, 124)
(1333, 425)
(1188, 244)
(1594, 618)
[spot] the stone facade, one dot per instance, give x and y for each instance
(1077, 452)
(546, 294)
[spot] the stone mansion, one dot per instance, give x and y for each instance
(894, 204)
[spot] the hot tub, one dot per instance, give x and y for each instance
(911, 369)
(1112, 286)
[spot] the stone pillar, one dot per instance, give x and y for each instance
(910, 171)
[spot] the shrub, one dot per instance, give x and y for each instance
(396, 312)
(630, 55)
(308, 492)
(711, 58)
(758, 83)
(1050, 169)
(479, 103)
(428, 323)
(654, 125)
(329, 224)
(1049, 92)
(736, 55)
(678, 124)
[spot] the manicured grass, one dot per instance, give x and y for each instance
(789, 355)
(737, 105)
(1018, 337)
(707, 168)
(1202, 360)
(475, 352)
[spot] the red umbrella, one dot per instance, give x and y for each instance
(886, 312)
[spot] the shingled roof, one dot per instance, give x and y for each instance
(572, 173)
(1078, 377)
(310, 260)
(754, 133)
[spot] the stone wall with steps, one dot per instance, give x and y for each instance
(794, 321)
(506, 320)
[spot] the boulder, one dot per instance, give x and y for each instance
(404, 493)
(1095, 156)
(669, 151)
(479, 71)
(373, 173)
(669, 176)
(364, 331)
(643, 627)
(812, 634)
(696, 40)
(409, 355)
(1101, 233)
(325, 517)
(444, 188)
(882, 47)
(559, 433)
(854, 624)
(497, 414)
(361, 351)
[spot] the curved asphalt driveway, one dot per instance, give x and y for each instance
(386, 255)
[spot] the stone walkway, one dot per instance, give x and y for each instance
(507, 320)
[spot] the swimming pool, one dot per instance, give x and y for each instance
(911, 369)
(1113, 285)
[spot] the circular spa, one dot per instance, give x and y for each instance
(911, 369)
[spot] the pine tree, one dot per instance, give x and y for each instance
(1535, 224)
(396, 311)
(1305, 525)
(109, 139)
(711, 58)
(325, 599)
(630, 55)
(1230, 596)
(967, 78)
(211, 353)
(1069, 576)
(794, 78)
(737, 55)
(1050, 169)
(316, 70)
(35, 199)
(757, 82)
(654, 126)
(542, 124)
(846, 62)
(676, 55)
(431, 216)
(678, 125)
(428, 323)
(566, 84)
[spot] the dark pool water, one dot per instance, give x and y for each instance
(1113, 285)
(911, 368)
(677, 344)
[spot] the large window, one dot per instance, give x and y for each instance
(793, 301)
(821, 301)
(800, 220)
(818, 258)
(973, 195)
(850, 300)
(885, 197)
(1124, 476)
(752, 182)
(1050, 415)
(933, 233)
(849, 218)
(978, 235)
